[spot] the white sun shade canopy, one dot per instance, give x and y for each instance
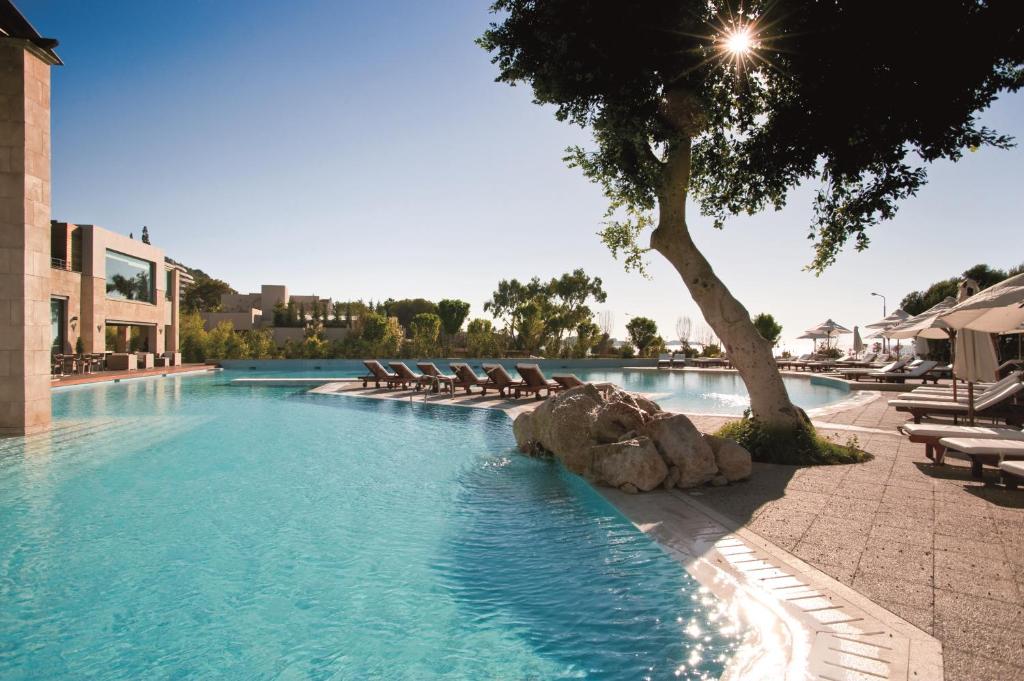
(925, 325)
(828, 329)
(898, 316)
(997, 309)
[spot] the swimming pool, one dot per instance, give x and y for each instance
(181, 527)
(691, 392)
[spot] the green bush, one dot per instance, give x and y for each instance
(831, 353)
(711, 350)
(800, 447)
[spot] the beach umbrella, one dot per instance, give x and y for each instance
(858, 344)
(899, 315)
(997, 309)
(928, 324)
(974, 360)
(829, 329)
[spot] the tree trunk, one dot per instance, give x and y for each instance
(748, 351)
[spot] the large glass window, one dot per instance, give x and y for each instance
(129, 278)
(57, 307)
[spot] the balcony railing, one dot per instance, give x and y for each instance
(62, 264)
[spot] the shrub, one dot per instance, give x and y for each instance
(711, 350)
(627, 351)
(800, 447)
(831, 353)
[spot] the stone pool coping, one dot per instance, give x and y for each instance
(803, 623)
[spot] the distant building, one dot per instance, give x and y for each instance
(100, 279)
(246, 311)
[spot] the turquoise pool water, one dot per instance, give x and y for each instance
(184, 528)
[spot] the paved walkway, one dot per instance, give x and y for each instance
(932, 545)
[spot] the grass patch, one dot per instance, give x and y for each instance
(798, 447)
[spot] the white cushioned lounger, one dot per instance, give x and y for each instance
(941, 430)
(982, 451)
(1012, 473)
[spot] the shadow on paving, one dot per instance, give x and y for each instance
(741, 501)
(988, 488)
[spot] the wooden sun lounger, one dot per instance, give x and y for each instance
(534, 380)
(573, 381)
(931, 435)
(378, 374)
(921, 370)
(409, 376)
(431, 371)
(466, 378)
(985, 452)
(503, 380)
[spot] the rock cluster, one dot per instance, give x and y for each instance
(626, 441)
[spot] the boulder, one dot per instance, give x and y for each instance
(561, 425)
(732, 459)
(682, 445)
(522, 428)
(614, 420)
(633, 462)
(650, 407)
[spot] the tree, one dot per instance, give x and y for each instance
(452, 313)
(407, 308)
(684, 328)
(383, 334)
(425, 328)
(145, 234)
(481, 340)
(769, 329)
(203, 294)
(642, 333)
(917, 302)
(832, 92)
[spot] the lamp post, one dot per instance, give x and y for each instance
(885, 313)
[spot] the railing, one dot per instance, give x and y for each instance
(62, 264)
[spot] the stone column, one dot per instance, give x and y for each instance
(173, 331)
(24, 239)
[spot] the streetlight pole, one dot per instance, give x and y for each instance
(885, 313)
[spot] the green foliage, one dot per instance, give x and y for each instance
(203, 295)
(799, 447)
(452, 313)
(836, 93)
(917, 302)
(481, 340)
(383, 335)
(830, 352)
(588, 337)
(425, 328)
(642, 333)
(711, 350)
(627, 351)
(769, 329)
(407, 308)
(79, 345)
(539, 314)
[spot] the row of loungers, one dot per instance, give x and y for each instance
(900, 371)
(532, 381)
(1000, 444)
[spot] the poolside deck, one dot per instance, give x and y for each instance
(102, 376)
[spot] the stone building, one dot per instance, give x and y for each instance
(25, 61)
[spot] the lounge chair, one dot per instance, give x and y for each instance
(502, 379)
(573, 381)
(431, 371)
(534, 380)
(665, 360)
(856, 374)
(995, 403)
(378, 374)
(466, 378)
(945, 394)
(851, 361)
(920, 369)
(931, 434)
(1012, 473)
(984, 452)
(409, 376)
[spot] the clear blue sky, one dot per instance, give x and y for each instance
(362, 150)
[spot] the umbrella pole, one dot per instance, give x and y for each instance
(970, 403)
(952, 359)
